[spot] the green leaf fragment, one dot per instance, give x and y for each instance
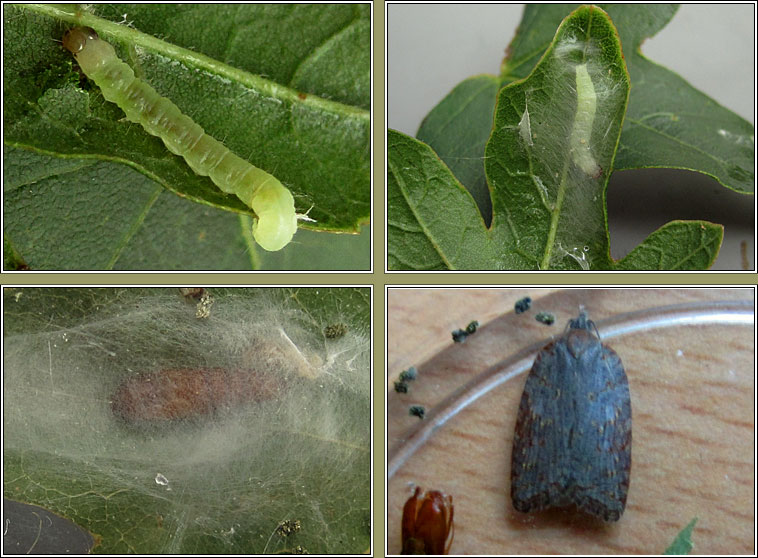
(697, 245)
(682, 544)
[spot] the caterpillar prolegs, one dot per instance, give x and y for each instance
(272, 203)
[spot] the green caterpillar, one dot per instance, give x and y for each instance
(586, 105)
(273, 204)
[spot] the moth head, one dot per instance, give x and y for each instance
(276, 222)
(583, 322)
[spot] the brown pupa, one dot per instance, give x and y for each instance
(181, 393)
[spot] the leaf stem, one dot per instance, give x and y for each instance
(554, 217)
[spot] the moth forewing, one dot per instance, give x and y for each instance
(273, 204)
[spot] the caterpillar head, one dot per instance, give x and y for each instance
(276, 222)
(90, 52)
(75, 39)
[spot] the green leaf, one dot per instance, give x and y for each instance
(432, 221)
(233, 475)
(286, 87)
(682, 544)
(458, 129)
(549, 155)
(697, 245)
(549, 208)
(669, 123)
(140, 230)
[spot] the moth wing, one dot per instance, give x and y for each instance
(572, 441)
(603, 452)
(539, 467)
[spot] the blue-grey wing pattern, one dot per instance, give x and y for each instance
(573, 436)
